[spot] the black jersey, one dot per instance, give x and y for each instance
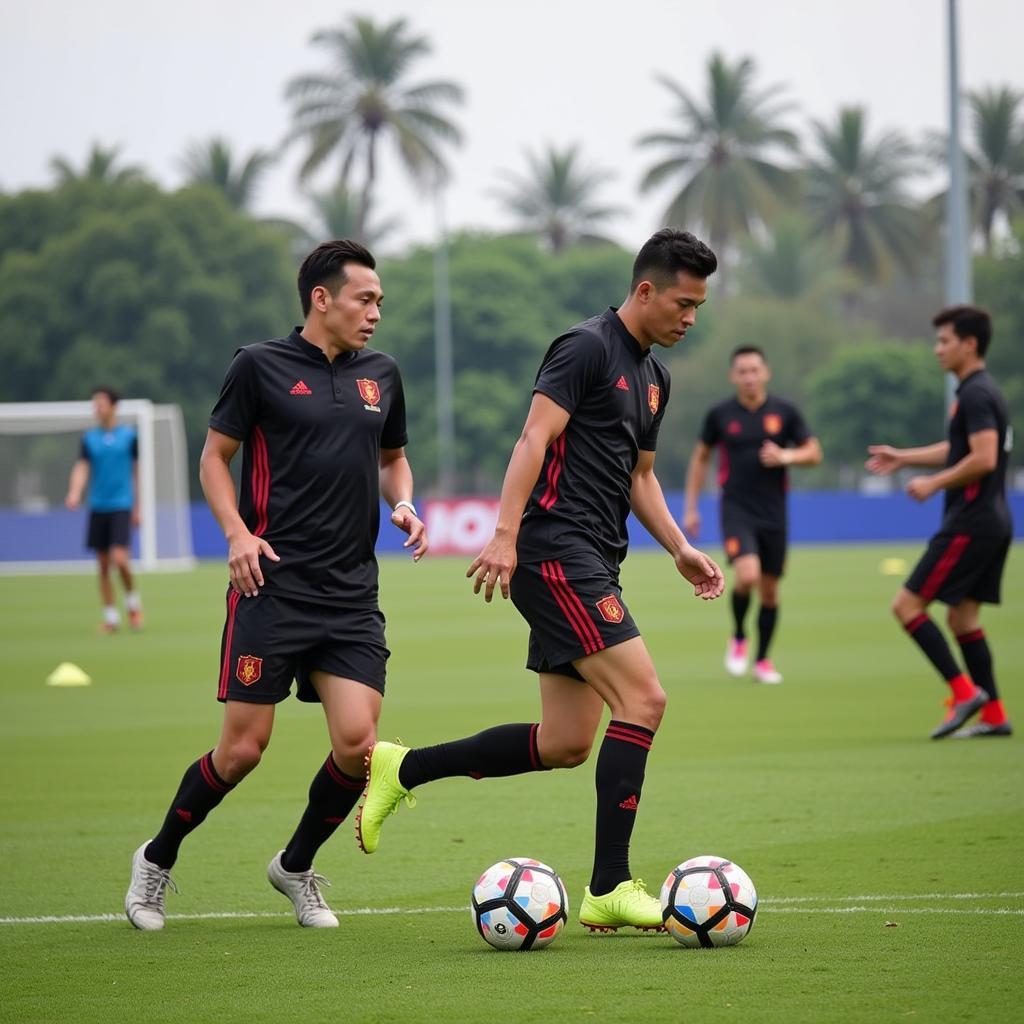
(980, 507)
(615, 392)
(313, 431)
(757, 491)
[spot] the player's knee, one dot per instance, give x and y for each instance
(352, 747)
(569, 753)
(958, 622)
(238, 758)
(647, 708)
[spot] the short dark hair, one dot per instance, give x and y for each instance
(747, 350)
(968, 322)
(111, 394)
(325, 265)
(666, 253)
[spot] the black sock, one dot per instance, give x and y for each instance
(978, 659)
(332, 794)
(929, 638)
(200, 791)
(767, 618)
(491, 754)
(740, 604)
(619, 778)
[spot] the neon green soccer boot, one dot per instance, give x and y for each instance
(628, 905)
(383, 792)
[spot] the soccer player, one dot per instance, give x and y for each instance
(963, 563)
(758, 437)
(584, 459)
(108, 466)
(322, 420)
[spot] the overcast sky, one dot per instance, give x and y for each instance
(151, 78)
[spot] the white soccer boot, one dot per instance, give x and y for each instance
(736, 660)
(766, 672)
(303, 889)
(144, 901)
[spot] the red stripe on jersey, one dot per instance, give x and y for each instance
(554, 471)
(723, 464)
(572, 607)
(229, 632)
(616, 732)
(343, 780)
(207, 769)
(260, 480)
(945, 565)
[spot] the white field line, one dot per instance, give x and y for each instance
(778, 905)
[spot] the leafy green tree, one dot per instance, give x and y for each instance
(213, 163)
(100, 165)
(878, 392)
(339, 214)
(556, 198)
(722, 155)
(156, 291)
(857, 194)
(345, 112)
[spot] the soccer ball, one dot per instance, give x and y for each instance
(708, 901)
(519, 903)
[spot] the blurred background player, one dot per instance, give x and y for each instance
(758, 436)
(584, 459)
(322, 418)
(108, 465)
(963, 563)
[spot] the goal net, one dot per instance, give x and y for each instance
(39, 443)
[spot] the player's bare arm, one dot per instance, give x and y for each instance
(77, 483)
(807, 454)
(695, 474)
(244, 549)
(981, 460)
(545, 421)
(396, 489)
(884, 459)
(647, 501)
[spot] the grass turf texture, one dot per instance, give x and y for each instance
(826, 790)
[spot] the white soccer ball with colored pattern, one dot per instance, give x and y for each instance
(708, 901)
(519, 903)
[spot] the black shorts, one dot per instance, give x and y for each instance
(268, 641)
(573, 605)
(109, 530)
(956, 566)
(742, 536)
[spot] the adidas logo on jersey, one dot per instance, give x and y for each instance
(622, 384)
(300, 389)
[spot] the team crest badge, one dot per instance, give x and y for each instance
(249, 669)
(653, 397)
(772, 423)
(734, 427)
(610, 609)
(369, 392)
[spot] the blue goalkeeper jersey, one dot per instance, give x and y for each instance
(111, 455)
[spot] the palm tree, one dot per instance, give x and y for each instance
(720, 157)
(856, 194)
(100, 165)
(344, 112)
(339, 214)
(555, 199)
(213, 163)
(996, 158)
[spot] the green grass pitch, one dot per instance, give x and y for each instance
(890, 868)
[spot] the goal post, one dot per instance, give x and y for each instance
(39, 443)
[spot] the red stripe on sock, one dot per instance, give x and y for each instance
(969, 638)
(343, 780)
(534, 752)
(229, 632)
(945, 566)
(616, 732)
(916, 623)
(210, 776)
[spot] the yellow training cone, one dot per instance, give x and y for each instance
(893, 567)
(67, 674)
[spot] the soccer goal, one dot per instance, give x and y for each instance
(39, 443)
